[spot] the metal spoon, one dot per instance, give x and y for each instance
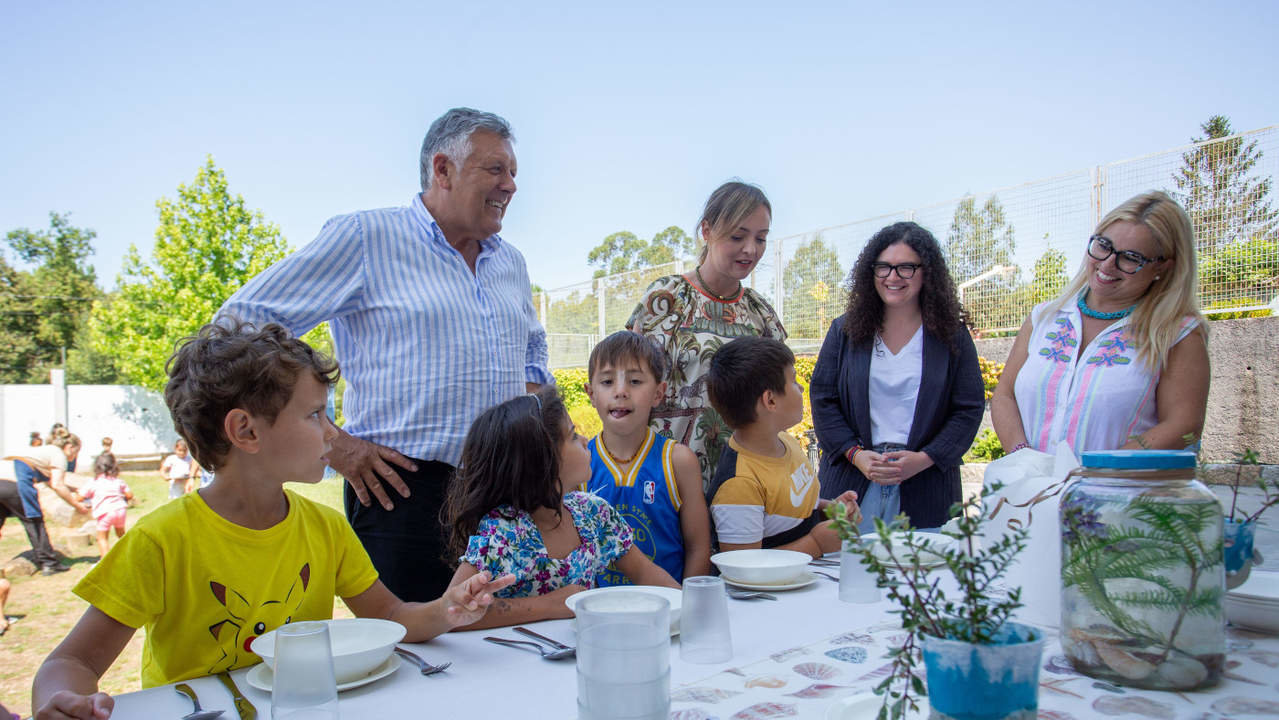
(197, 713)
(546, 653)
(750, 595)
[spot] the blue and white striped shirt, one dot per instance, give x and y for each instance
(424, 344)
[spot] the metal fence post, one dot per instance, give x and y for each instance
(778, 298)
(599, 297)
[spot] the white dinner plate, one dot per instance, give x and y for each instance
(927, 560)
(673, 595)
(863, 705)
(804, 581)
(1261, 586)
(261, 677)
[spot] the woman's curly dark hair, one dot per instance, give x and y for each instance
(938, 301)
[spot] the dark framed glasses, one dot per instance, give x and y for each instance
(905, 271)
(1128, 261)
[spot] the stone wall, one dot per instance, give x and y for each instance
(1243, 401)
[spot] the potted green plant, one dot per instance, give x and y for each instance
(1241, 527)
(978, 662)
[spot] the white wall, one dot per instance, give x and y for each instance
(134, 417)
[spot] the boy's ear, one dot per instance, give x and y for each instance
(767, 402)
(661, 394)
(586, 387)
(241, 429)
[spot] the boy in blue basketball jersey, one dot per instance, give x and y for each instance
(653, 481)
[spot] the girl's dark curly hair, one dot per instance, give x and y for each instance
(511, 456)
(938, 301)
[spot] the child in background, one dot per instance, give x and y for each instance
(176, 468)
(36, 440)
(764, 493)
(653, 482)
(514, 507)
(106, 445)
(110, 496)
(211, 571)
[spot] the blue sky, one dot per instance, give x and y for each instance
(626, 116)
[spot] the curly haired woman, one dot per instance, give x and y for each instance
(897, 393)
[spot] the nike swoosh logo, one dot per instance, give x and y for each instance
(799, 484)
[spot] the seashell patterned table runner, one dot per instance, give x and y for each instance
(803, 682)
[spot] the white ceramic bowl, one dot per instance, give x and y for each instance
(761, 567)
(672, 595)
(926, 557)
(1261, 585)
(1259, 615)
(360, 646)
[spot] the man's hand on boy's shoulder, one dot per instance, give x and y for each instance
(364, 465)
(65, 704)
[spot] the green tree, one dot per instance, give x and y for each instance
(811, 287)
(18, 322)
(1050, 276)
(1216, 184)
(207, 245)
(49, 304)
(625, 251)
(978, 239)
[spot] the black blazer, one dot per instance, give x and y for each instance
(948, 412)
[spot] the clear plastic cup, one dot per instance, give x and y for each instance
(623, 657)
(302, 682)
(856, 582)
(704, 632)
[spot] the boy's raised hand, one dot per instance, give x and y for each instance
(64, 705)
(467, 601)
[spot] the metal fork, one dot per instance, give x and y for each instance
(828, 576)
(426, 667)
(750, 595)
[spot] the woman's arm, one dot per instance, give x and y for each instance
(834, 428)
(514, 611)
(58, 484)
(639, 569)
(1004, 414)
(1181, 398)
(694, 518)
(66, 685)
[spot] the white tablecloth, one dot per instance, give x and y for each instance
(793, 657)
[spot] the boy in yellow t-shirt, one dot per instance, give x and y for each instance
(764, 493)
(209, 572)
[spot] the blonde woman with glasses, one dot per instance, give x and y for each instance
(1120, 360)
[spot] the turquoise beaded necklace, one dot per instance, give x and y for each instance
(1097, 314)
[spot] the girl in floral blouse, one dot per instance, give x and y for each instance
(510, 510)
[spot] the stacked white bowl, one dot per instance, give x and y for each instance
(1255, 604)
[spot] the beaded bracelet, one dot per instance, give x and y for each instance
(1018, 446)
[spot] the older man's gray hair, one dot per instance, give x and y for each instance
(451, 134)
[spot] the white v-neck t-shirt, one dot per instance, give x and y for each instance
(894, 389)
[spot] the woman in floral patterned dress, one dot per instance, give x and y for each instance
(512, 508)
(1120, 360)
(691, 315)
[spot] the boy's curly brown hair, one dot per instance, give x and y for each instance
(233, 364)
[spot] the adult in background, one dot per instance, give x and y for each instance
(1120, 360)
(432, 320)
(897, 393)
(41, 464)
(691, 315)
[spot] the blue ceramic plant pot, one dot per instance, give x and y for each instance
(985, 682)
(1239, 537)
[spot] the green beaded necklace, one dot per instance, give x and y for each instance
(1099, 315)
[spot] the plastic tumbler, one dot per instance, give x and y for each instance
(302, 682)
(704, 634)
(856, 582)
(623, 657)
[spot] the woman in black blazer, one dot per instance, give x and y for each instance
(896, 436)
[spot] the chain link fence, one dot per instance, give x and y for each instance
(1008, 249)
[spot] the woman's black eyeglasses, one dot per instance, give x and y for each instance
(905, 271)
(1128, 261)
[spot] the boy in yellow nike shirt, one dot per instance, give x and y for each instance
(764, 493)
(209, 572)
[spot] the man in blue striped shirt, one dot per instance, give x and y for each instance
(432, 321)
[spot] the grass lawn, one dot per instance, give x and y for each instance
(47, 610)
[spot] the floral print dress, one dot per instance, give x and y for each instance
(690, 326)
(508, 541)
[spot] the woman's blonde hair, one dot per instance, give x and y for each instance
(1157, 320)
(726, 208)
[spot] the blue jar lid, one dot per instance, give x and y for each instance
(1140, 459)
